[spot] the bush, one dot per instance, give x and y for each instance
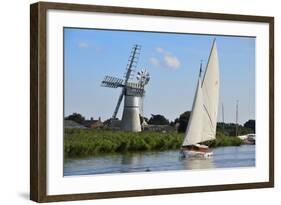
(82, 142)
(89, 142)
(222, 140)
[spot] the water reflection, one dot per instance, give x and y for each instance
(198, 163)
(243, 156)
(132, 162)
(131, 159)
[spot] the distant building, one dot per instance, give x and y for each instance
(176, 126)
(95, 124)
(72, 124)
(112, 124)
(159, 128)
(115, 124)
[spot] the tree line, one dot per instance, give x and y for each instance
(181, 122)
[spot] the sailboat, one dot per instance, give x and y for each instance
(203, 118)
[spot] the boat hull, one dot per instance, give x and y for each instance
(192, 154)
(196, 150)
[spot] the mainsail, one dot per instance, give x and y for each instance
(203, 119)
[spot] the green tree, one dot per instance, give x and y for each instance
(76, 117)
(229, 129)
(158, 120)
(251, 124)
(183, 121)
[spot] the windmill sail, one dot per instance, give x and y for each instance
(203, 119)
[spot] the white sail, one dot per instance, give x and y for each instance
(210, 90)
(194, 129)
(203, 119)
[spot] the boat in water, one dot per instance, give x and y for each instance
(249, 139)
(203, 118)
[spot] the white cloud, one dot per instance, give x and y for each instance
(171, 61)
(83, 45)
(154, 61)
(160, 50)
(168, 60)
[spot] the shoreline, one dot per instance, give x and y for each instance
(91, 142)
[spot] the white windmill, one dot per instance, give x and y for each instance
(131, 91)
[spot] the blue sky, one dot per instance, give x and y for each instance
(173, 62)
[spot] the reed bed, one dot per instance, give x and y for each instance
(89, 142)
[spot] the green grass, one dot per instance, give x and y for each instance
(222, 140)
(79, 142)
(89, 142)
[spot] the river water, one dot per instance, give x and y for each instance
(224, 157)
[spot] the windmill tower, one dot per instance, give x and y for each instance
(131, 91)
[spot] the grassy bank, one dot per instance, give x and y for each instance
(82, 142)
(90, 142)
(222, 140)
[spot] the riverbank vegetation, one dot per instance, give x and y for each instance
(89, 142)
(180, 123)
(223, 140)
(81, 142)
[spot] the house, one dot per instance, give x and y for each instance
(95, 124)
(72, 124)
(159, 128)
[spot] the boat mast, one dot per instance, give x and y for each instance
(222, 111)
(200, 71)
(237, 118)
